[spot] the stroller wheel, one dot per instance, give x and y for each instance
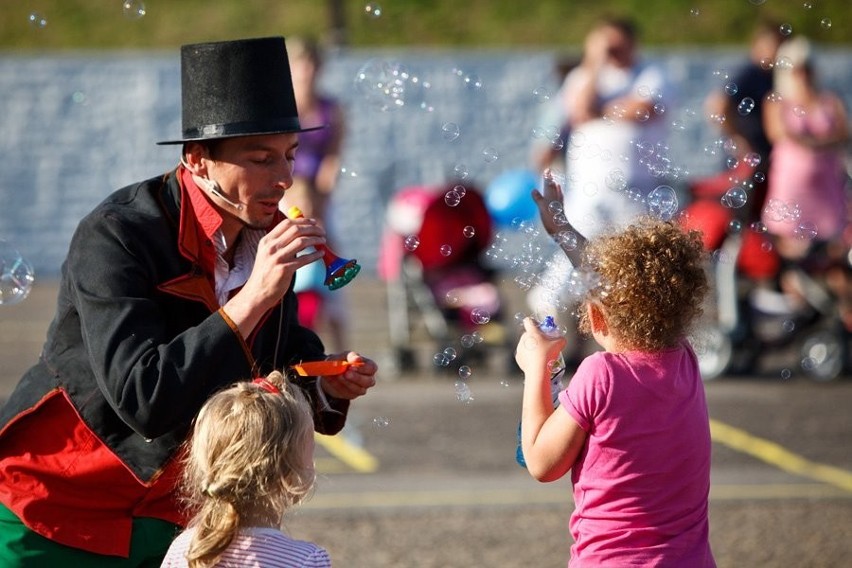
(714, 351)
(823, 355)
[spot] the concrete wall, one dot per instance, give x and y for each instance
(75, 127)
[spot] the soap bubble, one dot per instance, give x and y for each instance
(752, 159)
(746, 106)
(785, 29)
(464, 372)
(567, 240)
(826, 23)
(450, 131)
(445, 250)
(440, 360)
(134, 9)
(411, 243)
(472, 82)
(542, 94)
(480, 316)
(469, 232)
(381, 422)
(758, 227)
(662, 202)
(806, 231)
(734, 198)
(36, 20)
(490, 154)
(460, 171)
(16, 275)
(373, 10)
(452, 198)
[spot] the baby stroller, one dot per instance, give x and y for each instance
(748, 322)
(433, 239)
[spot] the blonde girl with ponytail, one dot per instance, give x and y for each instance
(248, 461)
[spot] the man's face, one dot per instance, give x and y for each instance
(253, 171)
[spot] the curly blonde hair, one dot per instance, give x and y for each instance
(653, 282)
(248, 452)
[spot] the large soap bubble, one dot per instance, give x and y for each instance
(16, 275)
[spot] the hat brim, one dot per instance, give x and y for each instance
(239, 135)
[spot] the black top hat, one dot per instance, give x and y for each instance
(236, 88)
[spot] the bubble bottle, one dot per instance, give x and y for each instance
(557, 373)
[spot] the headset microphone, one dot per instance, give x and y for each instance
(212, 187)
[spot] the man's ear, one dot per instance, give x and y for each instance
(191, 158)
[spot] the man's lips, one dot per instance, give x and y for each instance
(269, 207)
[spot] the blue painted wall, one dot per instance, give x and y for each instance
(75, 127)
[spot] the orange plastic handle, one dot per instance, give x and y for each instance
(324, 368)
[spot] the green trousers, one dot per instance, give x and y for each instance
(21, 547)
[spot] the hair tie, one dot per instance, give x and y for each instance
(266, 385)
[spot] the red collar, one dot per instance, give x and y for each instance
(207, 216)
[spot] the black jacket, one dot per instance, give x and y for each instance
(138, 341)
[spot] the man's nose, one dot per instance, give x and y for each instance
(285, 175)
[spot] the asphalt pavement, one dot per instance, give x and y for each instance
(424, 473)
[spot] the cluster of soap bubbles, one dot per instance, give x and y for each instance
(16, 275)
(390, 85)
(470, 81)
(782, 211)
(36, 20)
(550, 133)
(373, 10)
(134, 9)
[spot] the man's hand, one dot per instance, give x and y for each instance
(279, 254)
(355, 381)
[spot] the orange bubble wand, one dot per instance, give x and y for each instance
(338, 271)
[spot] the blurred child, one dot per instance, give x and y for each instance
(632, 425)
(249, 460)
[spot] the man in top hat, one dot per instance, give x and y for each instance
(173, 287)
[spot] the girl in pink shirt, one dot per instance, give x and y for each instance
(249, 459)
(632, 426)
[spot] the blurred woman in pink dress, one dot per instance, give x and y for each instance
(807, 125)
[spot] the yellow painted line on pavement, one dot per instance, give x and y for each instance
(357, 458)
(558, 496)
(775, 454)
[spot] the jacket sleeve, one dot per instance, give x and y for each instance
(295, 345)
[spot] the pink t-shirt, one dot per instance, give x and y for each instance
(255, 547)
(642, 480)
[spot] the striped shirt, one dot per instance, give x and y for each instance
(255, 547)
